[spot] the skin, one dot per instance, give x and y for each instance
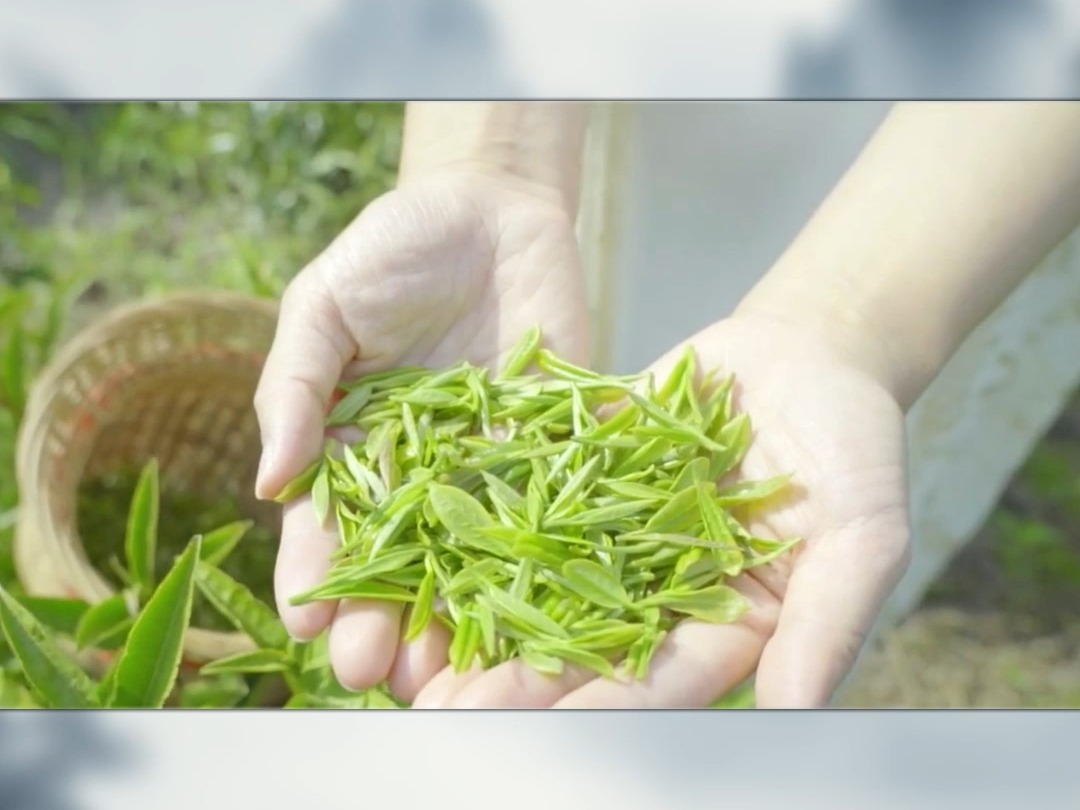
(945, 211)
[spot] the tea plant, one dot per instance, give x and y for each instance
(144, 627)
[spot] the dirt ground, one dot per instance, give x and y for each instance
(1001, 626)
(951, 658)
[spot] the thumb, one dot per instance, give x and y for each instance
(310, 350)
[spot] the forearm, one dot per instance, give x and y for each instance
(939, 219)
(538, 144)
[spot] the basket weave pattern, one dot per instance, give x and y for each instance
(173, 379)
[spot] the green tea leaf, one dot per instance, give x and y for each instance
(465, 643)
(719, 604)
(486, 619)
(54, 677)
(301, 484)
(643, 651)
(363, 476)
(140, 543)
(147, 669)
(765, 551)
(632, 490)
(420, 615)
(522, 355)
(677, 377)
(575, 655)
(603, 516)
(579, 482)
(507, 607)
(595, 583)
(749, 491)
(240, 607)
(541, 662)
(679, 514)
(349, 406)
(458, 511)
(376, 591)
(606, 634)
(385, 563)
(735, 439)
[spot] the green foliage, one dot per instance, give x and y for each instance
(102, 203)
(145, 627)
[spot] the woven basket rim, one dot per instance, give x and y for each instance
(81, 342)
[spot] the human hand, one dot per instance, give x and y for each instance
(454, 266)
(841, 434)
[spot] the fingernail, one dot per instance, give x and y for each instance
(265, 464)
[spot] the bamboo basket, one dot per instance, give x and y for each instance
(171, 378)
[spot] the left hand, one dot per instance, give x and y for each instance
(841, 433)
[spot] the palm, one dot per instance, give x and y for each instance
(841, 436)
(456, 269)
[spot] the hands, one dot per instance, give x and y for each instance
(841, 433)
(953, 205)
(455, 265)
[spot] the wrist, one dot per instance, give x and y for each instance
(858, 333)
(535, 148)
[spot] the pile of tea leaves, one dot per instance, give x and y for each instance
(557, 516)
(103, 503)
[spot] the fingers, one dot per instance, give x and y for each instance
(832, 600)
(437, 693)
(302, 369)
(303, 560)
(418, 661)
(363, 642)
(511, 685)
(695, 665)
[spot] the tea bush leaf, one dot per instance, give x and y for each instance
(218, 544)
(106, 624)
(237, 604)
(60, 615)
(257, 661)
(140, 543)
(219, 692)
(147, 668)
(13, 695)
(54, 677)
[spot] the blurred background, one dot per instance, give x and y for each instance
(637, 761)
(580, 48)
